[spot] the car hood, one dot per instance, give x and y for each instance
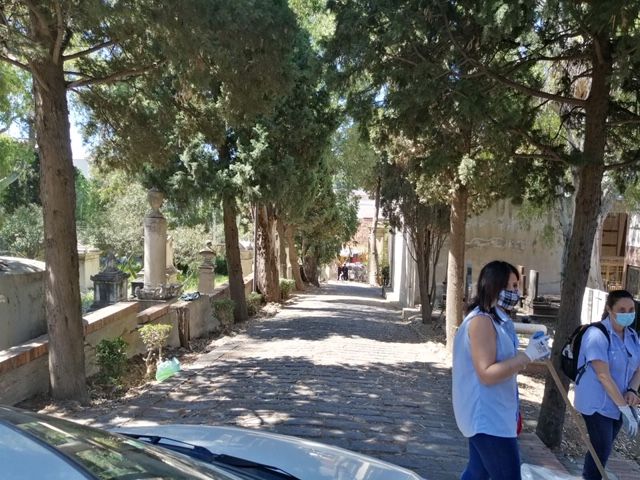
(302, 458)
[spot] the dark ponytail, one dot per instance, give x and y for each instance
(612, 299)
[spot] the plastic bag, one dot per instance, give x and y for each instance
(535, 472)
(167, 369)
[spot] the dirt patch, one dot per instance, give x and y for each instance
(104, 397)
(572, 449)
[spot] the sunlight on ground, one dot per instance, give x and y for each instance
(257, 418)
(322, 353)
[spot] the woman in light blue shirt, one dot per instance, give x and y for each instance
(485, 364)
(607, 390)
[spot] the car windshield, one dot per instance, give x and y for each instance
(96, 453)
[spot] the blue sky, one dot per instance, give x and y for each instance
(77, 147)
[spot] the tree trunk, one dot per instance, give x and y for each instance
(587, 206)
(455, 268)
(565, 209)
(374, 262)
(62, 289)
(595, 279)
(422, 259)
(267, 267)
(282, 249)
(293, 256)
(234, 265)
(310, 264)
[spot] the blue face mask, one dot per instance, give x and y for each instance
(625, 319)
(507, 299)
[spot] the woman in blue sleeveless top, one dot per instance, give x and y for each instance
(485, 364)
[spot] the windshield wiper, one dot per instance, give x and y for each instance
(205, 455)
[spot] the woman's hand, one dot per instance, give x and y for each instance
(632, 398)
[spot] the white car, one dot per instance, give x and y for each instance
(34, 446)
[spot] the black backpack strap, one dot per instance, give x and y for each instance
(600, 326)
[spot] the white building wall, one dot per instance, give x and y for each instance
(496, 234)
(499, 234)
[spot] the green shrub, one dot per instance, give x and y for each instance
(221, 266)
(22, 232)
(223, 311)
(286, 287)
(87, 300)
(111, 357)
(254, 301)
(154, 338)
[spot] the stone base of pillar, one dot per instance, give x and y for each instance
(172, 275)
(162, 292)
(206, 279)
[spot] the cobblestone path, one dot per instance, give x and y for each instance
(338, 366)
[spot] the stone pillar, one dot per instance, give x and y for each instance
(89, 264)
(155, 254)
(206, 272)
(532, 293)
(372, 266)
(246, 260)
(468, 283)
(155, 243)
(533, 284)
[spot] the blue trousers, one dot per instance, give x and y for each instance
(495, 458)
(602, 433)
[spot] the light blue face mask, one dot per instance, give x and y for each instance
(625, 319)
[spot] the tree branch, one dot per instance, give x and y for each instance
(526, 156)
(532, 91)
(511, 83)
(543, 58)
(9, 122)
(545, 150)
(78, 74)
(632, 118)
(630, 121)
(57, 48)
(82, 53)
(111, 78)
(404, 60)
(38, 14)
(15, 63)
(635, 159)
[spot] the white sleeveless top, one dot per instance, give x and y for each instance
(479, 408)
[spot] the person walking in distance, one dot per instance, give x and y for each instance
(606, 392)
(486, 362)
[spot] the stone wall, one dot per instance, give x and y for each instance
(499, 233)
(24, 368)
(88, 265)
(496, 234)
(22, 314)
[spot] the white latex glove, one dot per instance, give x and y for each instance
(537, 348)
(629, 420)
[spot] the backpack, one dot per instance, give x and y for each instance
(571, 351)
